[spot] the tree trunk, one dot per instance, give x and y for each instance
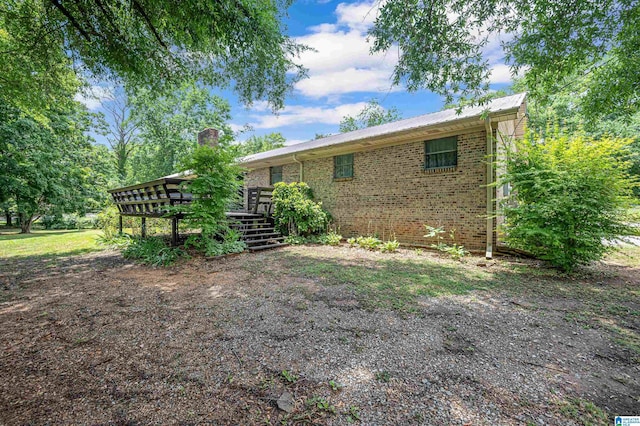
(7, 214)
(25, 223)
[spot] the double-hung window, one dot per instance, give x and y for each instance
(343, 166)
(441, 153)
(275, 174)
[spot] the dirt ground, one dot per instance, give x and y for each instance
(95, 339)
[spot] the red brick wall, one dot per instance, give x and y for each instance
(391, 194)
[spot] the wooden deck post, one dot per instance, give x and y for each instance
(120, 224)
(174, 231)
(143, 231)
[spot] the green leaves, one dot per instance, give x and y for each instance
(294, 210)
(214, 190)
(256, 144)
(47, 169)
(153, 44)
(167, 125)
(569, 197)
(440, 46)
(371, 115)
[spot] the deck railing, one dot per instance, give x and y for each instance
(259, 200)
(151, 199)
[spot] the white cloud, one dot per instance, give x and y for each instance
(500, 73)
(359, 16)
(340, 61)
(350, 80)
(299, 114)
(94, 96)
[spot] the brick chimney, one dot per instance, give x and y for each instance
(208, 137)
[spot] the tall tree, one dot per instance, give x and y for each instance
(372, 114)
(44, 169)
(256, 144)
(440, 46)
(151, 43)
(168, 125)
(121, 132)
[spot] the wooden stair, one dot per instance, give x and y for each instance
(257, 231)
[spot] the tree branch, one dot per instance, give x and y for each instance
(141, 11)
(71, 19)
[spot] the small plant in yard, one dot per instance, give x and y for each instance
(374, 243)
(289, 377)
(454, 250)
(295, 240)
(353, 414)
(335, 386)
(321, 404)
(331, 238)
(369, 243)
(383, 376)
(389, 246)
(153, 252)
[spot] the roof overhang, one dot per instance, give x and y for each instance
(363, 141)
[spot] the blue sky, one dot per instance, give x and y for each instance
(343, 76)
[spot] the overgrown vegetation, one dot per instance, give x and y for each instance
(214, 189)
(294, 211)
(152, 251)
(569, 197)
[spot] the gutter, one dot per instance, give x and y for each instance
(490, 187)
(301, 178)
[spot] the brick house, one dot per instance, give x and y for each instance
(392, 179)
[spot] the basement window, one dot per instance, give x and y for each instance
(343, 166)
(441, 153)
(275, 174)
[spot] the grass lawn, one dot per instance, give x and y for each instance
(14, 245)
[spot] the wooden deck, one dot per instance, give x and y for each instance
(150, 199)
(158, 199)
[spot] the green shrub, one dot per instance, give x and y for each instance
(152, 251)
(569, 197)
(295, 212)
(454, 250)
(389, 246)
(352, 242)
(230, 243)
(108, 222)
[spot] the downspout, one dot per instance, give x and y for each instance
(490, 187)
(301, 179)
